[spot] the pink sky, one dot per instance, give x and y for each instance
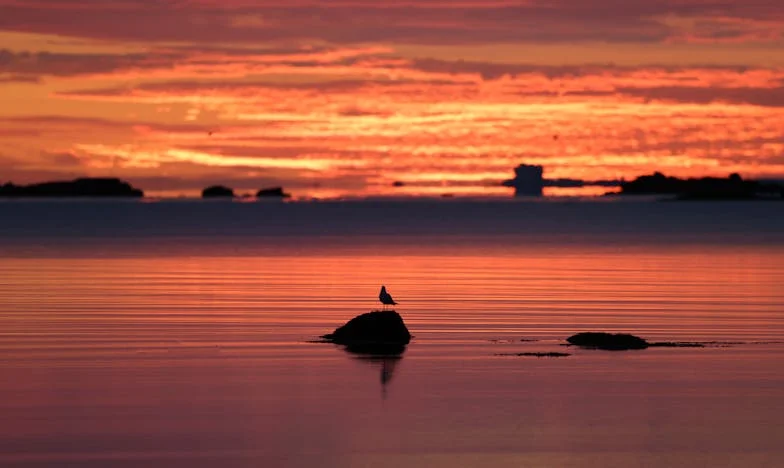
(345, 97)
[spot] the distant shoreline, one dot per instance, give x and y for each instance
(84, 187)
(731, 188)
(648, 187)
(489, 200)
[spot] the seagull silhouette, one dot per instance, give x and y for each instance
(385, 297)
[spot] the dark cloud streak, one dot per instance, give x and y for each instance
(424, 22)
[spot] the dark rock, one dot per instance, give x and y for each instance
(379, 332)
(607, 341)
(704, 188)
(273, 192)
(86, 187)
(217, 191)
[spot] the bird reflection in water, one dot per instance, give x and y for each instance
(384, 357)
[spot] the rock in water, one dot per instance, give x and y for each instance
(379, 332)
(608, 341)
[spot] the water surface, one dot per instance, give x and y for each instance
(176, 334)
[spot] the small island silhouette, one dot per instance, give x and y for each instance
(217, 191)
(221, 191)
(272, 192)
(109, 187)
(734, 187)
(83, 187)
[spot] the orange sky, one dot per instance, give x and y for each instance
(345, 97)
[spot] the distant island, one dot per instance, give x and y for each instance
(528, 182)
(84, 187)
(704, 188)
(97, 187)
(217, 191)
(273, 192)
(221, 191)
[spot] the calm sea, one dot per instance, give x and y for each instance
(176, 334)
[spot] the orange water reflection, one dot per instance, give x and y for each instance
(181, 359)
(546, 291)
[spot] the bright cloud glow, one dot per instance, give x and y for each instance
(446, 98)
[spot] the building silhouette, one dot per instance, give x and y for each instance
(528, 181)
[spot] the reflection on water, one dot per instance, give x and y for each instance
(184, 346)
(386, 366)
(385, 356)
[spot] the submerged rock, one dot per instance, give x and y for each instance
(379, 332)
(608, 341)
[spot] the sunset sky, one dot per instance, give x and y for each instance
(345, 97)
